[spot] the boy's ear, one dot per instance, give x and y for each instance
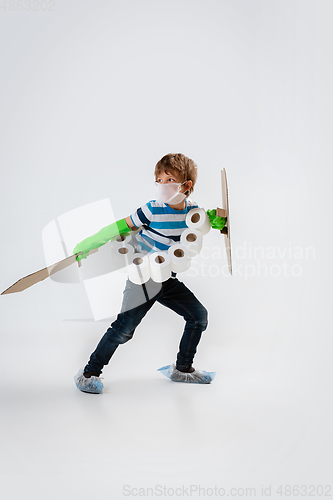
(188, 185)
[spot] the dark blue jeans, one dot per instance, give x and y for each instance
(137, 301)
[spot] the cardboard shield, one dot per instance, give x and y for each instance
(225, 212)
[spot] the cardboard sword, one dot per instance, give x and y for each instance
(42, 274)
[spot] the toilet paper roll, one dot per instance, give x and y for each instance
(160, 266)
(121, 256)
(139, 268)
(198, 219)
(180, 258)
(122, 240)
(192, 239)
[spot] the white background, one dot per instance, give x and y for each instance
(93, 94)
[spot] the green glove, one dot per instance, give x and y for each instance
(216, 222)
(103, 236)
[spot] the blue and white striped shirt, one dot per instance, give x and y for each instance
(161, 226)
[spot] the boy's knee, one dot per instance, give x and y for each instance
(202, 318)
(124, 337)
(120, 336)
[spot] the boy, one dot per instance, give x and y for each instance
(162, 222)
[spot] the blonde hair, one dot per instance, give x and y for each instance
(177, 162)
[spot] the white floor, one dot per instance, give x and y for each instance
(261, 422)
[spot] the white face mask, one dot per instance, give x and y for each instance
(170, 193)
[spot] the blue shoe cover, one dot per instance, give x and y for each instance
(196, 377)
(92, 384)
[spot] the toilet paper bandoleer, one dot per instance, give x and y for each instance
(161, 223)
